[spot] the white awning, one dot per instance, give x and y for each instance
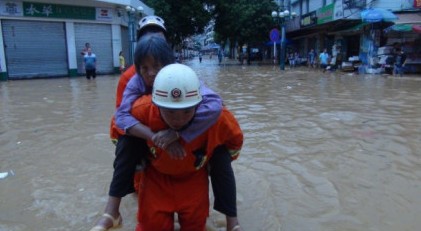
(408, 18)
(133, 3)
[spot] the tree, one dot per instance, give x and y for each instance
(183, 18)
(239, 21)
(243, 21)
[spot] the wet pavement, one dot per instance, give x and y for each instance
(322, 151)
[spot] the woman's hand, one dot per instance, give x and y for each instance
(164, 138)
(168, 141)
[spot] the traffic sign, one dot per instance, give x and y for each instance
(274, 35)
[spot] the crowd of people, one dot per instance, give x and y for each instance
(326, 61)
(323, 60)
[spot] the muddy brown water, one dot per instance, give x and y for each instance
(322, 151)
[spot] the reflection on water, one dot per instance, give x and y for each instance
(323, 151)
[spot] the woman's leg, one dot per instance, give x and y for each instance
(223, 185)
(130, 151)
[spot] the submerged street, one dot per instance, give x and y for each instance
(322, 151)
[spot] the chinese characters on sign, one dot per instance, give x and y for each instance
(11, 8)
(32, 9)
(47, 10)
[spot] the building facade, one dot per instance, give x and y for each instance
(44, 38)
(336, 25)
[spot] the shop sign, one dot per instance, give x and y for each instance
(417, 3)
(11, 8)
(47, 10)
(325, 14)
(104, 14)
(308, 19)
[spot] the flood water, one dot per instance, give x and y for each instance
(322, 151)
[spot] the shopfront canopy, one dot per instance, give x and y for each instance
(409, 22)
(404, 28)
(373, 15)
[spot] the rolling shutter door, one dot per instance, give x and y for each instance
(99, 36)
(35, 49)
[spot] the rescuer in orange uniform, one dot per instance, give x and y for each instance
(131, 141)
(179, 186)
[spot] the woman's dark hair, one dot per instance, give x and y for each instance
(154, 46)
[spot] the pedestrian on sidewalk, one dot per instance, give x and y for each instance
(122, 62)
(312, 58)
(85, 49)
(89, 62)
(324, 60)
(291, 60)
(339, 59)
(400, 60)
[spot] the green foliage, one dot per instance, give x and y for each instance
(244, 21)
(183, 18)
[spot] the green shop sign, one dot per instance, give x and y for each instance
(47, 10)
(325, 14)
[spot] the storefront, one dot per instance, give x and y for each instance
(45, 39)
(321, 30)
(406, 34)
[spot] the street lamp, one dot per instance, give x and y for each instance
(283, 17)
(132, 14)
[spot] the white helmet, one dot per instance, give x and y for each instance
(176, 86)
(151, 21)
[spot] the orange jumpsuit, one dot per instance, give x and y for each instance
(115, 131)
(180, 186)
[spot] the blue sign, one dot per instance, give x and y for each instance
(274, 35)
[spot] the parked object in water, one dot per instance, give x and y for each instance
(255, 54)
